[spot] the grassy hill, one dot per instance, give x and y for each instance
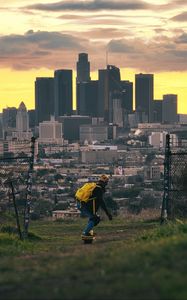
(128, 260)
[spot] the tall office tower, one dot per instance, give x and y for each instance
(114, 102)
(44, 98)
(32, 118)
(157, 111)
(109, 82)
(117, 113)
(22, 124)
(127, 95)
(102, 93)
(83, 68)
(87, 98)
(114, 78)
(169, 109)
(144, 95)
(63, 92)
(22, 119)
(1, 127)
(9, 117)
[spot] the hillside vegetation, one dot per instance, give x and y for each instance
(128, 260)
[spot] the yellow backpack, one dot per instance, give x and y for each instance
(84, 193)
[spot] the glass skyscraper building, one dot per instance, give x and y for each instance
(144, 91)
(63, 92)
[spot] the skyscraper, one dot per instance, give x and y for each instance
(22, 119)
(127, 95)
(44, 98)
(144, 95)
(103, 93)
(114, 78)
(1, 127)
(83, 68)
(117, 113)
(32, 118)
(88, 98)
(83, 77)
(157, 111)
(22, 124)
(63, 92)
(109, 84)
(169, 109)
(9, 117)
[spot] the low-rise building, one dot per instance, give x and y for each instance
(91, 133)
(100, 156)
(65, 214)
(50, 132)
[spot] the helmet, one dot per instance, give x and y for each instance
(104, 178)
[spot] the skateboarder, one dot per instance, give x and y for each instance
(91, 207)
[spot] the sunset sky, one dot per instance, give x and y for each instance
(38, 37)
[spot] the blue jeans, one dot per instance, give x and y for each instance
(93, 219)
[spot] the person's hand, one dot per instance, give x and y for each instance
(110, 217)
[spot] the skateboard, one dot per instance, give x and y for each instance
(88, 239)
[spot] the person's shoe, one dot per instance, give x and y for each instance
(89, 234)
(86, 234)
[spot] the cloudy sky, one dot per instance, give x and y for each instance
(37, 37)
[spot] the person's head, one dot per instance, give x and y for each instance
(103, 180)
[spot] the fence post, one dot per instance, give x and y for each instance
(28, 189)
(16, 210)
(9, 183)
(167, 180)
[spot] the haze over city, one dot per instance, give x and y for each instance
(37, 38)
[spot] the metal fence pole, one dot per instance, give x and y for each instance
(167, 180)
(29, 189)
(10, 183)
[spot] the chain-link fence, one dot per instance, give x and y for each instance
(16, 182)
(175, 180)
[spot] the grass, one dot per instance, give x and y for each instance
(128, 260)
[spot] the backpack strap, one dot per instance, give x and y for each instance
(94, 189)
(99, 186)
(94, 208)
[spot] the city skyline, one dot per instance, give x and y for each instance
(139, 37)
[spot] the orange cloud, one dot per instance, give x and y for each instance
(54, 49)
(180, 17)
(94, 5)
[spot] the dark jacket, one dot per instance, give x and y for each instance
(97, 202)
